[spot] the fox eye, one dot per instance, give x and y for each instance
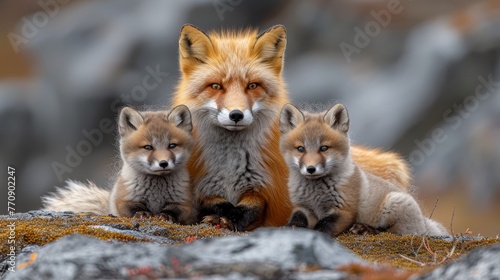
(323, 148)
(301, 149)
(252, 85)
(171, 146)
(216, 86)
(148, 147)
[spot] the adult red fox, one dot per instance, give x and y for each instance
(232, 83)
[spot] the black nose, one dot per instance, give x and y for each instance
(163, 164)
(311, 169)
(236, 115)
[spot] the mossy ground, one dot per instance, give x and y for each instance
(40, 231)
(410, 253)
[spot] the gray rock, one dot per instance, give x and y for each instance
(483, 263)
(264, 254)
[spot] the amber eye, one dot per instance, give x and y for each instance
(252, 85)
(171, 146)
(301, 149)
(216, 86)
(148, 147)
(323, 148)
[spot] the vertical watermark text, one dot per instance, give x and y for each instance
(11, 210)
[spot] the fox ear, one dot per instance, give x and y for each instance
(194, 46)
(338, 118)
(270, 46)
(129, 121)
(181, 117)
(290, 117)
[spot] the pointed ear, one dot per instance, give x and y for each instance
(270, 46)
(290, 117)
(129, 121)
(338, 118)
(194, 46)
(181, 117)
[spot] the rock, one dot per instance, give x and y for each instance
(482, 263)
(265, 254)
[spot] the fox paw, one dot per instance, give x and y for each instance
(143, 215)
(165, 217)
(363, 229)
(214, 220)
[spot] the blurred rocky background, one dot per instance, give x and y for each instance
(419, 77)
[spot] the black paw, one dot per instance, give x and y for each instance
(243, 216)
(327, 224)
(298, 219)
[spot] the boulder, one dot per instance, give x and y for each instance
(266, 254)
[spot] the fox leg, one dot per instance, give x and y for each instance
(176, 213)
(250, 211)
(247, 215)
(335, 223)
(302, 217)
(401, 215)
(133, 209)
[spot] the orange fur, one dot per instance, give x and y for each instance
(276, 195)
(233, 59)
(386, 165)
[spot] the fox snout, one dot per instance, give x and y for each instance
(161, 160)
(311, 165)
(163, 164)
(312, 170)
(235, 119)
(236, 115)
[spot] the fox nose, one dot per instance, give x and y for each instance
(236, 115)
(163, 164)
(311, 169)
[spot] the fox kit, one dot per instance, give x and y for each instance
(329, 191)
(232, 83)
(153, 180)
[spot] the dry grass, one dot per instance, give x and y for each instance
(411, 253)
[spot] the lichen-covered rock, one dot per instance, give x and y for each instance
(92, 246)
(480, 264)
(266, 254)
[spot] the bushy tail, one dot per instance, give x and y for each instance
(387, 165)
(434, 228)
(78, 197)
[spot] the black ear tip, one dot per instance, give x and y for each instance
(279, 26)
(188, 25)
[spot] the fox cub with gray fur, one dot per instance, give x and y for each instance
(153, 180)
(329, 192)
